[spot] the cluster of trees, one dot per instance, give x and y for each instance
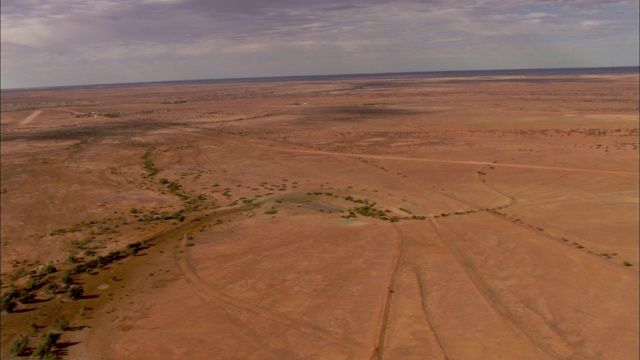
(10, 298)
(26, 295)
(44, 350)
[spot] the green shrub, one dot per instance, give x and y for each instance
(44, 348)
(8, 305)
(20, 347)
(33, 327)
(134, 247)
(49, 269)
(61, 323)
(58, 232)
(626, 263)
(26, 297)
(75, 292)
(33, 284)
(66, 277)
(11, 294)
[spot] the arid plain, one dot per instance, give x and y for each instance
(490, 217)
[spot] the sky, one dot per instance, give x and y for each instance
(76, 42)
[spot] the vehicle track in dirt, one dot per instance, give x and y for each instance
(243, 310)
(278, 146)
(427, 313)
(511, 311)
(382, 331)
(542, 184)
(237, 311)
(511, 200)
(31, 117)
(502, 310)
(465, 162)
(252, 310)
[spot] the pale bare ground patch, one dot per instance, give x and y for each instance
(31, 117)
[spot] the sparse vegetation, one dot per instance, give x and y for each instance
(8, 305)
(148, 164)
(51, 288)
(33, 327)
(26, 297)
(61, 323)
(155, 170)
(75, 292)
(134, 247)
(66, 277)
(20, 347)
(49, 269)
(44, 348)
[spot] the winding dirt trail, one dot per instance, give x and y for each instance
(242, 311)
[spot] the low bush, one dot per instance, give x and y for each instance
(26, 297)
(8, 305)
(44, 348)
(61, 323)
(75, 292)
(66, 277)
(20, 347)
(49, 269)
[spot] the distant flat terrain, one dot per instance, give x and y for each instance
(439, 217)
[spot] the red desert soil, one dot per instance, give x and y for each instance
(392, 218)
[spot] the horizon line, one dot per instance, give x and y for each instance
(319, 77)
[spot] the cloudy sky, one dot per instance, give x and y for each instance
(71, 42)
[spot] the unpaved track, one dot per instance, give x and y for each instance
(241, 310)
(379, 353)
(509, 309)
(31, 117)
(388, 157)
(487, 293)
(427, 314)
(466, 162)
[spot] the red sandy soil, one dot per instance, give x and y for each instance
(514, 203)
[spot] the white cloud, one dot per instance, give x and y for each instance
(330, 36)
(589, 24)
(538, 15)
